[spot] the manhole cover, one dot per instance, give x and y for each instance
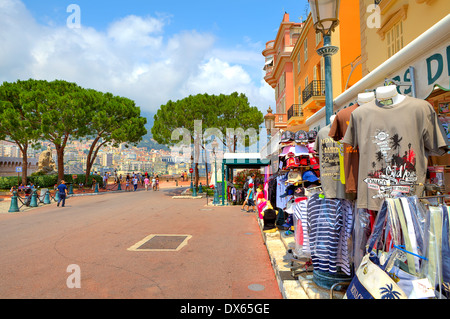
(256, 287)
(161, 243)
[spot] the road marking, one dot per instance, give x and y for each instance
(166, 242)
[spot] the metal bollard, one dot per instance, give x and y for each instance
(47, 198)
(34, 202)
(14, 207)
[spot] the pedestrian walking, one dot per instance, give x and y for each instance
(127, 182)
(62, 192)
(146, 182)
(249, 202)
(135, 183)
(154, 183)
(157, 183)
(105, 180)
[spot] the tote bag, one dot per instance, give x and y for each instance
(371, 281)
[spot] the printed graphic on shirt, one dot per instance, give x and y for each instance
(393, 172)
(330, 157)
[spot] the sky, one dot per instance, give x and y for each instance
(149, 51)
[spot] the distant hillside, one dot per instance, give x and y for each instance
(147, 140)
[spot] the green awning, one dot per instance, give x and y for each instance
(246, 162)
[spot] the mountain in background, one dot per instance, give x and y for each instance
(147, 140)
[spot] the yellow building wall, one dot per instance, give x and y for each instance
(416, 16)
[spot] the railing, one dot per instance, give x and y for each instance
(314, 88)
(294, 110)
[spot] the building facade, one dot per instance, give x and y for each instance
(297, 72)
(279, 68)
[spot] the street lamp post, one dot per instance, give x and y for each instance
(269, 120)
(192, 161)
(216, 194)
(325, 15)
(193, 187)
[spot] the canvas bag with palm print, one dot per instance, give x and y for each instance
(394, 226)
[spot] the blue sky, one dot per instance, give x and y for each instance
(150, 51)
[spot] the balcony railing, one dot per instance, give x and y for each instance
(314, 88)
(294, 110)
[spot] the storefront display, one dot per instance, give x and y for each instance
(335, 232)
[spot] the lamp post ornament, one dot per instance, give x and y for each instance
(325, 14)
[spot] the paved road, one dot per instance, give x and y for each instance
(224, 256)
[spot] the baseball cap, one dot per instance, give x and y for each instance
(296, 149)
(292, 162)
(294, 177)
(287, 136)
(310, 176)
(312, 136)
(301, 136)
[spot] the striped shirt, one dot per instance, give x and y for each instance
(329, 229)
(300, 212)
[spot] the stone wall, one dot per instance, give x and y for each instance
(8, 165)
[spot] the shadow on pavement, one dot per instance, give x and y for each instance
(173, 191)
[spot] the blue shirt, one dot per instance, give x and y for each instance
(62, 188)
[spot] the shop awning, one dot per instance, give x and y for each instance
(244, 160)
(429, 57)
(240, 161)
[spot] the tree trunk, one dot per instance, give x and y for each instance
(24, 150)
(196, 175)
(92, 156)
(60, 156)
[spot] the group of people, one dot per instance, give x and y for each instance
(134, 180)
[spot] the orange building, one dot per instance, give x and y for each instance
(303, 68)
(279, 67)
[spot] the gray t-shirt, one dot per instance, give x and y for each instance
(394, 142)
(328, 151)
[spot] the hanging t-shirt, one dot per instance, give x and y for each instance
(301, 235)
(351, 155)
(394, 142)
(328, 151)
(327, 239)
(281, 189)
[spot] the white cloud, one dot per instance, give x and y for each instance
(133, 58)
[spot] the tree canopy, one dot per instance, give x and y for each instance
(60, 111)
(219, 114)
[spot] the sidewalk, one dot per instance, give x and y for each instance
(278, 246)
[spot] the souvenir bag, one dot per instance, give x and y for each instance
(385, 275)
(372, 282)
(445, 253)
